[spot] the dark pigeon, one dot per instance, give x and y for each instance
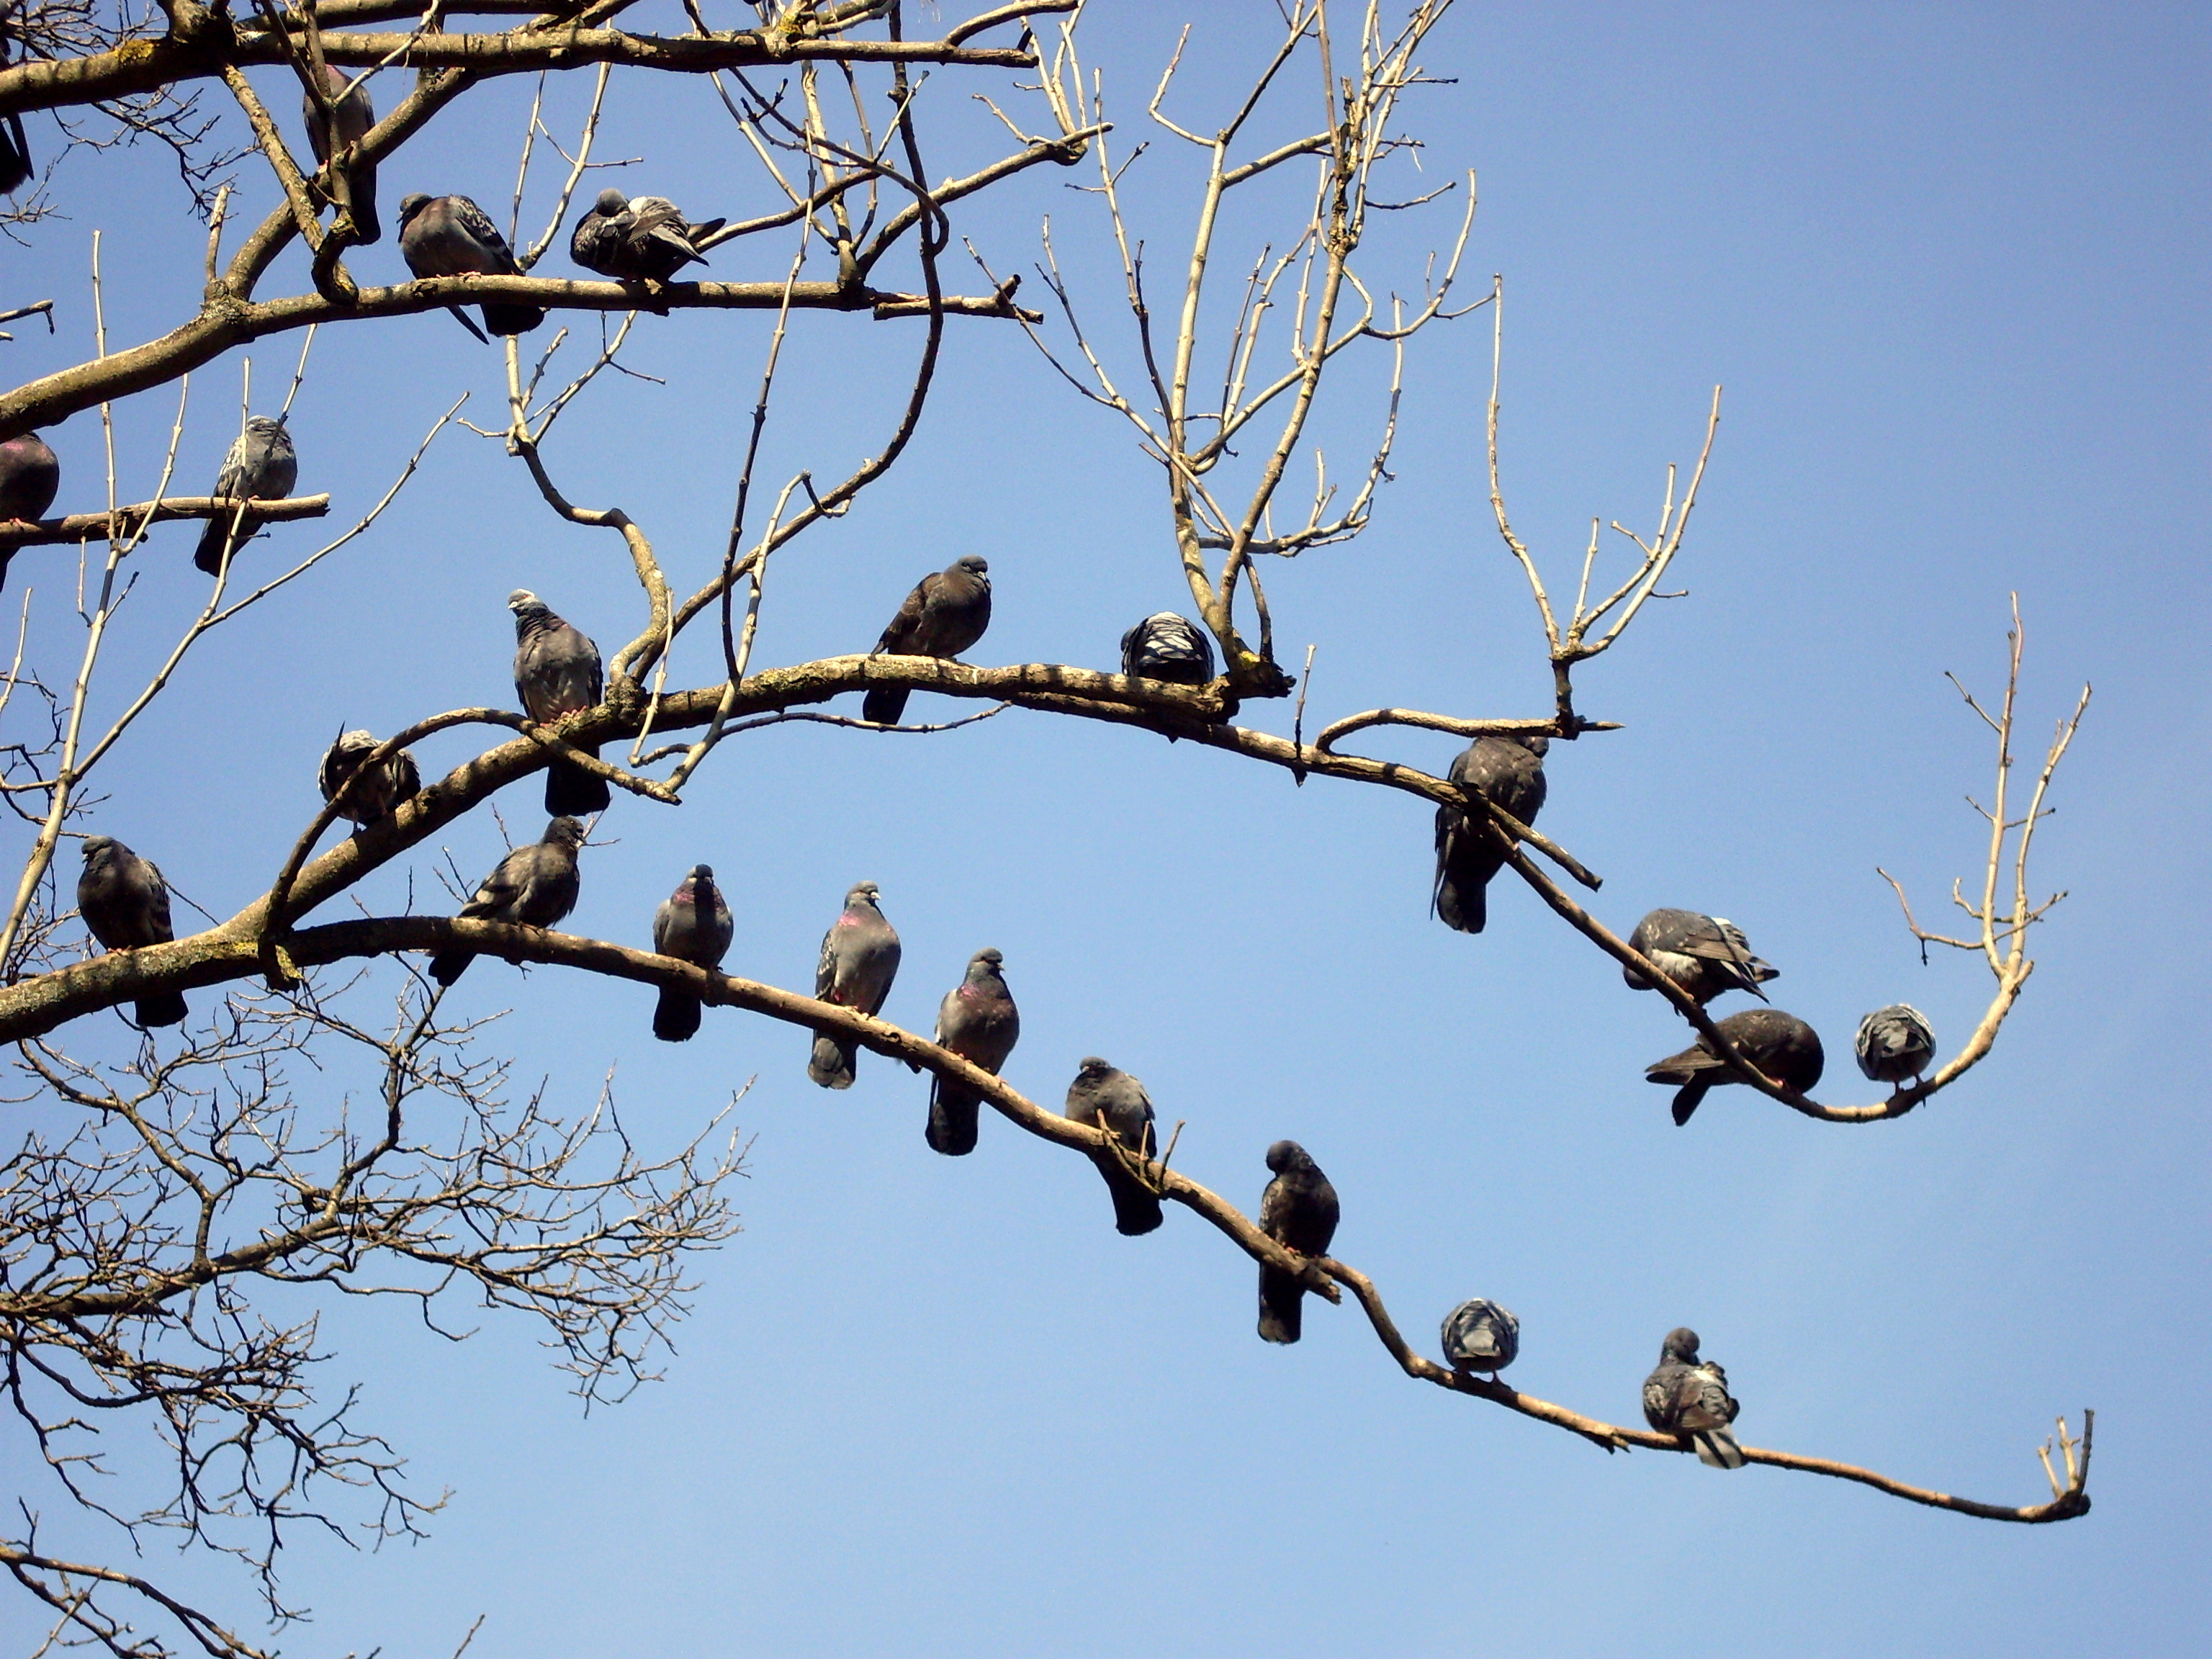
(1112, 1100)
(451, 236)
(692, 924)
(1685, 1396)
(1894, 1043)
(534, 886)
(1481, 1336)
(1298, 1211)
(353, 189)
(945, 614)
(1781, 1045)
(15, 168)
(374, 797)
(261, 466)
(126, 903)
(1508, 772)
(977, 1021)
(638, 239)
(30, 478)
(1703, 955)
(860, 959)
(557, 672)
(1166, 646)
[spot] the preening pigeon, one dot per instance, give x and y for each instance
(1781, 1045)
(945, 614)
(126, 903)
(261, 466)
(557, 672)
(1112, 1100)
(692, 924)
(1298, 1211)
(638, 239)
(30, 476)
(1688, 1396)
(1894, 1043)
(860, 959)
(353, 189)
(978, 1021)
(1704, 955)
(1166, 647)
(451, 236)
(1508, 772)
(534, 886)
(15, 168)
(1481, 1336)
(375, 796)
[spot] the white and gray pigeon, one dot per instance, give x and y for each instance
(1704, 955)
(638, 239)
(534, 886)
(1894, 1043)
(378, 794)
(693, 925)
(1781, 1045)
(947, 613)
(451, 236)
(1166, 647)
(1107, 1099)
(352, 189)
(977, 1021)
(860, 959)
(1688, 1396)
(261, 466)
(1479, 1336)
(557, 673)
(126, 902)
(1299, 1212)
(30, 478)
(1508, 772)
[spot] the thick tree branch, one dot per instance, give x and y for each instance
(129, 520)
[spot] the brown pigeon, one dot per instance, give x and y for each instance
(945, 614)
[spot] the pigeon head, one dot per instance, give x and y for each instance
(993, 956)
(1092, 1067)
(1538, 746)
(263, 425)
(973, 563)
(1286, 1155)
(1681, 1344)
(99, 849)
(610, 203)
(522, 602)
(411, 205)
(702, 872)
(359, 738)
(565, 832)
(864, 892)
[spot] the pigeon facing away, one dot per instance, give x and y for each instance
(692, 924)
(534, 886)
(1166, 646)
(1112, 1100)
(1686, 1396)
(261, 466)
(1781, 1045)
(557, 672)
(1703, 955)
(451, 236)
(977, 1021)
(1481, 1336)
(126, 903)
(860, 959)
(1894, 1043)
(15, 168)
(30, 478)
(1298, 1211)
(379, 794)
(352, 189)
(639, 238)
(945, 614)
(1508, 772)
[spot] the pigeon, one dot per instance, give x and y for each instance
(126, 903)
(557, 672)
(1114, 1101)
(30, 478)
(261, 466)
(534, 886)
(1781, 1045)
(639, 238)
(1688, 1396)
(977, 1021)
(1508, 772)
(945, 614)
(15, 168)
(353, 189)
(376, 796)
(451, 236)
(1703, 955)
(859, 959)
(1299, 1211)
(693, 926)
(1894, 1043)
(1481, 1336)
(1166, 646)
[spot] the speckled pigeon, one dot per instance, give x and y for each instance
(261, 466)
(375, 796)
(1509, 771)
(692, 924)
(945, 614)
(1480, 1336)
(1166, 647)
(451, 236)
(352, 189)
(977, 1021)
(30, 476)
(638, 239)
(1298, 1211)
(1703, 955)
(557, 672)
(1686, 1396)
(15, 168)
(1112, 1100)
(534, 886)
(1894, 1043)
(1781, 1045)
(860, 959)
(126, 903)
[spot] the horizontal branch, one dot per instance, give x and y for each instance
(128, 521)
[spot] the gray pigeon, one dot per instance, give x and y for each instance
(126, 903)
(557, 672)
(352, 189)
(1298, 1211)
(1781, 1045)
(1894, 1043)
(1112, 1100)
(261, 466)
(374, 797)
(451, 236)
(692, 924)
(945, 614)
(1166, 647)
(860, 959)
(638, 239)
(534, 886)
(30, 476)
(15, 168)
(1686, 1396)
(1508, 772)
(977, 1021)
(1481, 1336)
(1703, 955)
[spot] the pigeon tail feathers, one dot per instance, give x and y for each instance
(954, 1121)
(676, 1019)
(166, 1009)
(1716, 1449)
(884, 705)
(832, 1064)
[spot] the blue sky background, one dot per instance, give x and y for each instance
(1950, 266)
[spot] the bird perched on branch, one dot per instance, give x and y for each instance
(1112, 1100)
(977, 1021)
(1509, 773)
(352, 187)
(451, 236)
(1298, 1211)
(1688, 1396)
(557, 673)
(261, 466)
(692, 924)
(126, 903)
(1894, 1043)
(1703, 955)
(1479, 1335)
(30, 478)
(377, 795)
(945, 614)
(860, 959)
(638, 239)
(1781, 1045)
(1166, 647)
(534, 886)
